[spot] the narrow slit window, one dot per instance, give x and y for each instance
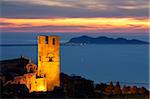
(53, 41)
(46, 40)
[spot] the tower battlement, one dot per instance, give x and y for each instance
(46, 75)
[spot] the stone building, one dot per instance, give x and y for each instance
(45, 76)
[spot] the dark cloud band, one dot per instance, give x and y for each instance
(108, 8)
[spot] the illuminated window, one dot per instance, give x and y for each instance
(53, 41)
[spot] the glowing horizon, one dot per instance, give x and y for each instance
(75, 24)
(90, 16)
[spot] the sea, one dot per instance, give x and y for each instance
(102, 63)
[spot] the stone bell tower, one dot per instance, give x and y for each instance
(49, 60)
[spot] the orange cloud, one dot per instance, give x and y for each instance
(83, 24)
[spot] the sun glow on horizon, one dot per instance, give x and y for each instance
(83, 24)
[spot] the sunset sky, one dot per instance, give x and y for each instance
(93, 16)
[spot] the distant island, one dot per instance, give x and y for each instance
(84, 40)
(102, 40)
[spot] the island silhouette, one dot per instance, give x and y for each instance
(103, 40)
